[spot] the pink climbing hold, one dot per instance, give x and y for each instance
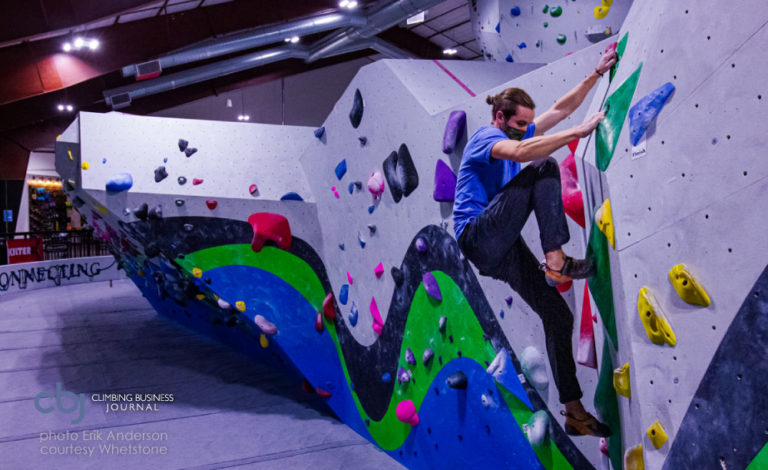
(197, 181)
(253, 189)
(406, 412)
(265, 325)
(378, 323)
(269, 227)
(431, 286)
(319, 323)
(329, 311)
(335, 192)
(586, 354)
(378, 270)
(572, 146)
(604, 447)
(349, 278)
(376, 184)
(573, 203)
(211, 204)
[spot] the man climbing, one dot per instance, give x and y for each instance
(494, 198)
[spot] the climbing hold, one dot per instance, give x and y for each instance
(341, 246)
(621, 381)
(403, 375)
(421, 245)
(291, 196)
(156, 212)
(363, 140)
(546, 9)
(356, 113)
(501, 314)
(253, 190)
(609, 129)
(457, 380)
(353, 314)
(532, 365)
(655, 322)
(378, 323)
(601, 12)
(687, 286)
(445, 183)
(263, 341)
(335, 193)
(431, 286)
(329, 310)
(182, 180)
(604, 220)
(211, 204)
(546, 24)
(270, 227)
(319, 323)
(319, 132)
(522, 46)
(573, 203)
(120, 182)
(372, 228)
(401, 174)
(397, 276)
(504, 372)
(557, 11)
(344, 294)
(360, 239)
(509, 58)
(561, 38)
(189, 227)
(223, 304)
(349, 278)
(322, 393)
(657, 435)
(196, 181)
(406, 412)
(509, 300)
(376, 185)
(378, 270)
(586, 354)
(179, 202)
(386, 377)
(488, 402)
(197, 272)
(644, 112)
(409, 357)
(183, 145)
(85, 166)
(426, 358)
(441, 323)
(455, 129)
(341, 169)
(240, 305)
(189, 151)
(633, 458)
(604, 447)
(515, 11)
(607, 2)
(355, 185)
(538, 427)
(265, 325)
(160, 174)
(141, 212)
(498, 27)
(371, 208)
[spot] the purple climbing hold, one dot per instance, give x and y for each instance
(426, 358)
(644, 112)
(409, 357)
(403, 375)
(431, 286)
(455, 129)
(319, 132)
(509, 58)
(265, 325)
(341, 169)
(421, 245)
(509, 301)
(515, 11)
(141, 211)
(445, 183)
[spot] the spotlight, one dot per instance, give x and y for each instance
(79, 43)
(239, 117)
(246, 118)
(294, 39)
(93, 44)
(449, 51)
(343, 3)
(67, 47)
(69, 108)
(287, 39)
(60, 107)
(352, 5)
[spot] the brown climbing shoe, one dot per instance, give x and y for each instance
(588, 426)
(572, 269)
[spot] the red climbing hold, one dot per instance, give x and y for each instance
(322, 392)
(564, 287)
(328, 309)
(573, 203)
(586, 354)
(272, 227)
(211, 204)
(319, 323)
(197, 181)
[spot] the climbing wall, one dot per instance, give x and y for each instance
(543, 31)
(680, 159)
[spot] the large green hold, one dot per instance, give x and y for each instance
(600, 282)
(607, 406)
(609, 129)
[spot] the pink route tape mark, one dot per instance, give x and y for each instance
(461, 84)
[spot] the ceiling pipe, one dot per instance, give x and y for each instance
(249, 39)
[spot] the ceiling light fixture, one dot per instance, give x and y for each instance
(450, 51)
(67, 47)
(294, 40)
(93, 44)
(79, 43)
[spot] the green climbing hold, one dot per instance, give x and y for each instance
(555, 12)
(561, 38)
(607, 405)
(600, 282)
(546, 9)
(616, 108)
(546, 25)
(620, 47)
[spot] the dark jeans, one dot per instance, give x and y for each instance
(493, 243)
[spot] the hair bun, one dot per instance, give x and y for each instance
(489, 99)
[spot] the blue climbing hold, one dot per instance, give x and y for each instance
(341, 246)
(319, 132)
(353, 314)
(344, 294)
(291, 197)
(120, 182)
(509, 58)
(361, 240)
(509, 301)
(387, 377)
(103, 160)
(498, 27)
(341, 170)
(644, 112)
(515, 11)
(371, 208)
(522, 45)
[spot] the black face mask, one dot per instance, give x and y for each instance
(515, 134)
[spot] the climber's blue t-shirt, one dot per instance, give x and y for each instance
(481, 176)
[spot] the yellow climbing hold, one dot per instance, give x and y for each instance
(655, 322)
(139, 272)
(657, 435)
(58, 137)
(621, 381)
(263, 341)
(102, 209)
(607, 2)
(604, 219)
(240, 305)
(200, 296)
(633, 458)
(85, 165)
(197, 272)
(601, 12)
(69, 152)
(687, 287)
(608, 31)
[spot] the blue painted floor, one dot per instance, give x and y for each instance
(227, 412)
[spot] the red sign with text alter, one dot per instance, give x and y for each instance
(25, 250)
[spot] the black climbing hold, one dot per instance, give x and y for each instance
(457, 380)
(179, 202)
(183, 145)
(458, 353)
(400, 173)
(450, 338)
(291, 197)
(319, 132)
(207, 280)
(441, 323)
(189, 151)
(398, 276)
(356, 114)
(160, 174)
(372, 228)
(188, 227)
(141, 212)
(363, 140)
(182, 181)
(156, 212)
